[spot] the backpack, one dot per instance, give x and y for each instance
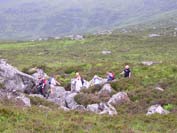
(112, 76)
(82, 80)
(49, 80)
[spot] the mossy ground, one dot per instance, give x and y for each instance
(65, 57)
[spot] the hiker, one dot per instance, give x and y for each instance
(126, 72)
(52, 82)
(78, 82)
(41, 86)
(110, 76)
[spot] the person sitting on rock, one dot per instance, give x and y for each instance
(126, 72)
(110, 76)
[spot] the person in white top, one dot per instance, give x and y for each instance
(53, 84)
(78, 82)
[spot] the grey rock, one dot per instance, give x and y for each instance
(157, 109)
(153, 35)
(106, 89)
(17, 98)
(102, 108)
(119, 98)
(93, 108)
(149, 63)
(24, 100)
(108, 109)
(70, 102)
(96, 80)
(106, 52)
(159, 89)
(13, 79)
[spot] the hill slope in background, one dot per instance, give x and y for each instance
(30, 19)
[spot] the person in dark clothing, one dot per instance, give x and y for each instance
(41, 86)
(126, 72)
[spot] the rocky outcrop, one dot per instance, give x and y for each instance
(13, 79)
(119, 98)
(157, 109)
(17, 98)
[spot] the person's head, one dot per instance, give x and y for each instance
(77, 74)
(127, 67)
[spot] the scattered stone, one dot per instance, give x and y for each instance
(39, 73)
(153, 35)
(106, 52)
(159, 88)
(12, 79)
(102, 108)
(93, 108)
(149, 63)
(119, 98)
(108, 109)
(157, 109)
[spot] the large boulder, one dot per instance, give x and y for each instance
(17, 98)
(13, 79)
(93, 108)
(106, 89)
(157, 109)
(70, 102)
(119, 98)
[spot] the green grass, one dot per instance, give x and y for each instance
(65, 57)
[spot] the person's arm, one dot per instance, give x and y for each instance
(58, 83)
(130, 75)
(122, 73)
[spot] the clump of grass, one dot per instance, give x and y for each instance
(86, 99)
(169, 107)
(39, 101)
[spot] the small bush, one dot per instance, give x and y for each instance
(86, 99)
(40, 101)
(169, 107)
(93, 89)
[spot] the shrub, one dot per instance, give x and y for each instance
(40, 101)
(86, 99)
(169, 107)
(92, 89)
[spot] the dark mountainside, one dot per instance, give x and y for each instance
(30, 19)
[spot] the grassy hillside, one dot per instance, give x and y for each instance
(64, 57)
(30, 19)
